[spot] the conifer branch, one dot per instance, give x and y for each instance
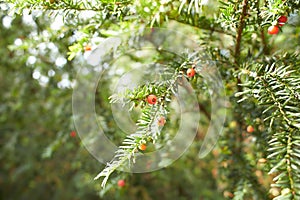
(276, 87)
(147, 131)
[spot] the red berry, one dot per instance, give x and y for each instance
(272, 30)
(87, 48)
(161, 121)
(282, 19)
(190, 72)
(152, 99)
(73, 134)
(121, 183)
(250, 129)
(143, 147)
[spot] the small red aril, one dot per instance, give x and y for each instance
(121, 183)
(282, 19)
(272, 30)
(152, 99)
(143, 147)
(161, 121)
(250, 129)
(73, 134)
(190, 72)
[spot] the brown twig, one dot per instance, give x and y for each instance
(204, 111)
(240, 33)
(264, 42)
(237, 54)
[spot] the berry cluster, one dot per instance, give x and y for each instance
(274, 29)
(161, 120)
(152, 99)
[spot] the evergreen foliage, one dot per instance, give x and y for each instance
(260, 72)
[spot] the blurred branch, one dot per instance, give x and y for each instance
(239, 33)
(205, 112)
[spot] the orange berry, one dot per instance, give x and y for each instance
(190, 72)
(152, 99)
(87, 48)
(161, 121)
(143, 147)
(250, 129)
(273, 30)
(121, 183)
(228, 194)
